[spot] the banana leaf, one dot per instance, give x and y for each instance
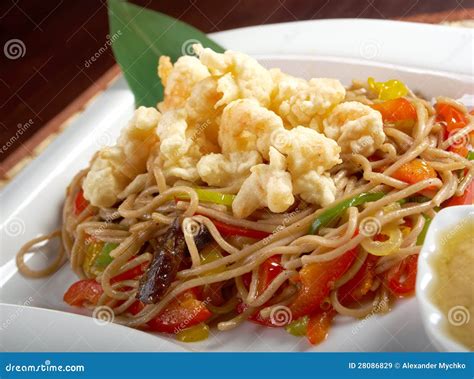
(139, 36)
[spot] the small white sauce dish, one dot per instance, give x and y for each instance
(434, 321)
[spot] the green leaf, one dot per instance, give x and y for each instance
(139, 37)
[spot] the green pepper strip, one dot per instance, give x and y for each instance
(414, 199)
(402, 201)
(211, 197)
(333, 213)
(418, 199)
(421, 237)
(470, 155)
(104, 258)
(298, 327)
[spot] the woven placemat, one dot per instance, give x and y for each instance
(30, 149)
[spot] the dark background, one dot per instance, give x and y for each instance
(59, 36)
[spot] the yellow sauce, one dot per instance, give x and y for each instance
(453, 291)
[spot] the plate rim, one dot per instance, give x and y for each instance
(91, 107)
(277, 32)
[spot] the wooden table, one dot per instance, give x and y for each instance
(50, 80)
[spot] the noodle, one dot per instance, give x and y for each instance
(360, 312)
(149, 205)
(53, 267)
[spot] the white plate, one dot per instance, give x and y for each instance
(31, 203)
(33, 329)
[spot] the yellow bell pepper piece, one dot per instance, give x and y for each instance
(195, 333)
(93, 249)
(210, 254)
(389, 90)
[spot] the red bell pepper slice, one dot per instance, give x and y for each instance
(183, 312)
(450, 115)
(316, 282)
(318, 326)
(396, 110)
(231, 230)
(83, 291)
(415, 171)
(267, 272)
(461, 150)
(88, 290)
(402, 277)
(360, 284)
(467, 198)
(454, 120)
(130, 274)
(255, 317)
(136, 307)
(80, 203)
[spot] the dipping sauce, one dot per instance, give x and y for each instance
(453, 290)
